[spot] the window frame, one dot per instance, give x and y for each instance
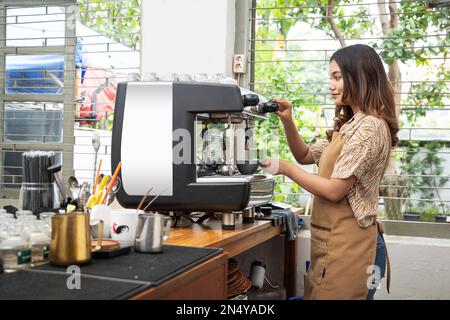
(67, 98)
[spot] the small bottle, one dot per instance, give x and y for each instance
(26, 218)
(7, 216)
(23, 214)
(46, 216)
(46, 222)
(40, 245)
(15, 250)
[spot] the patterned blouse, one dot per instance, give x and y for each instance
(364, 155)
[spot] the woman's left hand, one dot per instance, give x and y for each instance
(274, 165)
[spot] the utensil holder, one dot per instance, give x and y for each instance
(37, 196)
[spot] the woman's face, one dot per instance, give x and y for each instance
(336, 82)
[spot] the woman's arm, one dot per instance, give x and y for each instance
(298, 147)
(330, 189)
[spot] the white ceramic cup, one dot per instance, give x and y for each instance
(123, 225)
(102, 212)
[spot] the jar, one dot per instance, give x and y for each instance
(23, 213)
(45, 220)
(40, 244)
(45, 216)
(6, 216)
(35, 196)
(27, 218)
(15, 250)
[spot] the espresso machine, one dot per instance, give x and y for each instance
(186, 141)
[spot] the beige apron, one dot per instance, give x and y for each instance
(342, 253)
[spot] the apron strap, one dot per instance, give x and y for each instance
(388, 263)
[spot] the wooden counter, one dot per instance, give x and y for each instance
(208, 280)
(234, 242)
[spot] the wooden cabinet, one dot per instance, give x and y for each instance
(209, 280)
(203, 282)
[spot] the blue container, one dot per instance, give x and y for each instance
(411, 216)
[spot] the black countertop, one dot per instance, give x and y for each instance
(115, 278)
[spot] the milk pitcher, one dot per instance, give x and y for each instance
(151, 231)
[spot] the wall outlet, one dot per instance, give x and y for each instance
(239, 63)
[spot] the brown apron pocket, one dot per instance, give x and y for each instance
(318, 227)
(319, 253)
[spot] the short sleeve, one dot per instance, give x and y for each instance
(317, 148)
(359, 151)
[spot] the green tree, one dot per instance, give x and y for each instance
(280, 69)
(118, 20)
(402, 29)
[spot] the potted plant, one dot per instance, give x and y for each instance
(411, 214)
(442, 217)
(423, 167)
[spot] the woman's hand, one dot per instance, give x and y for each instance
(285, 111)
(275, 166)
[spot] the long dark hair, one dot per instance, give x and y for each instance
(365, 85)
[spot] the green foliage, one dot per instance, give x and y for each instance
(424, 95)
(295, 81)
(429, 214)
(410, 41)
(118, 20)
(422, 162)
(288, 12)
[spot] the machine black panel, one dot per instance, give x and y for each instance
(188, 100)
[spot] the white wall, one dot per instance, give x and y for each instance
(195, 36)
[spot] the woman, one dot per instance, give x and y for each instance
(348, 254)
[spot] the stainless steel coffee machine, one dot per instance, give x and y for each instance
(189, 141)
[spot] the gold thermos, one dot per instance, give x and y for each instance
(71, 239)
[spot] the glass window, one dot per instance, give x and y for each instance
(35, 26)
(34, 74)
(33, 122)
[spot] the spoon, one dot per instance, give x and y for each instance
(143, 199)
(55, 170)
(84, 195)
(74, 185)
(96, 145)
(112, 193)
(156, 197)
